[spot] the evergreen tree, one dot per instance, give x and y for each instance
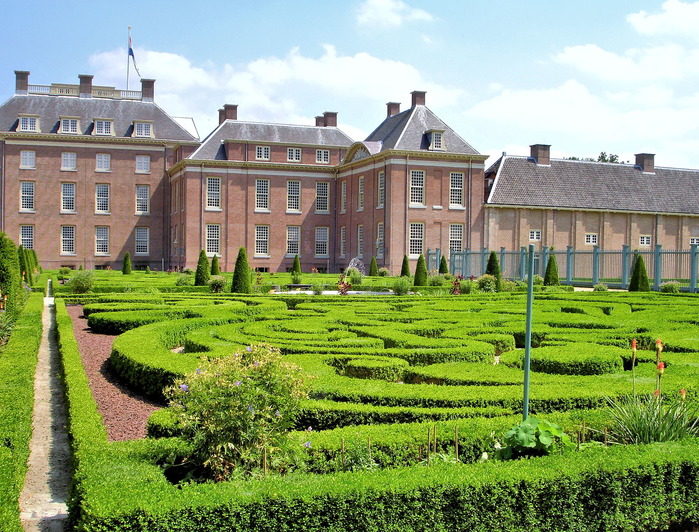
(405, 268)
(201, 276)
(443, 266)
(639, 277)
(215, 268)
(35, 260)
(241, 275)
(126, 267)
(493, 268)
(373, 267)
(10, 276)
(420, 272)
(551, 275)
(296, 268)
(24, 267)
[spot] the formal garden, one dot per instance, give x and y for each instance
(297, 402)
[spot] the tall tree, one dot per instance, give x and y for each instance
(126, 266)
(420, 272)
(202, 275)
(241, 275)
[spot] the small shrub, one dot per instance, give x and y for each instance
(81, 282)
(401, 286)
(466, 286)
(670, 287)
(493, 268)
(551, 275)
(296, 277)
(354, 275)
(436, 280)
(373, 267)
(296, 267)
(217, 284)
(443, 266)
(215, 267)
(384, 272)
(487, 283)
(64, 271)
(317, 288)
(183, 280)
(600, 287)
(533, 437)
(242, 283)
(639, 277)
(126, 266)
(420, 272)
(405, 267)
(201, 277)
(538, 280)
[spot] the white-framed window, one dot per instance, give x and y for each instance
(69, 161)
(143, 129)
(26, 236)
(26, 199)
(322, 236)
(591, 239)
(262, 153)
(293, 240)
(379, 240)
(262, 240)
(456, 189)
(213, 239)
(343, 241)
(343, 197)
(323, 156)
(262, 195)
(417, 237)
(360, 241)
(28, 123)
(27, 159)
(534, 235)
(293, 196)
(322, 196)
(694, 241)
(644, 240)
(69, 126)
(293, 155)
(380, 189)
(67, 197)
(142, 240)
(456, 237)
(102, 240)
(143, 164)
(360, 194)
(417, 187)
(213, 193)
(142, 199)
(103, 162)
(103, 127)
(68, 240)
(102, 198)
(437, 140)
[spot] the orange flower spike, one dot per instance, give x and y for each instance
(683, 394)
(659, 346)
(656, 393)
(633, 344)
(661, 368)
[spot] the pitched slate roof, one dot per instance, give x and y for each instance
(213, 146)
(406, 131)
(123, 112)
(593, 185)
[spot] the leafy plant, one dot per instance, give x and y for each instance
(487, 283)
(295, 277)
(384, 272)
(355, 276)
(317, 288)
(670, 287)
(600, 287)
(401, 286)
(217, 284)
(533, 437)
(81, 282)
(183, 280)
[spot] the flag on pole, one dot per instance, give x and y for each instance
(132, 54)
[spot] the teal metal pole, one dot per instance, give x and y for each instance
(528, 334)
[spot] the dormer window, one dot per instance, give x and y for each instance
(143, 129)
(28, 123)
(103, 127)
(69, 125)
(436, 140)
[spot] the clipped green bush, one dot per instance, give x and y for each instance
(373, 267)
(82, 282)
(384, 272)
(405, 267)
(10, 275)
(670, 287)
(217, 283)
(296, 268)
(493, 268)
(241, 274)
(487, 283)
(401, 286)
(203, 273)
(639, 277)
(551, 275)
(420, 272)
(126, 265)
(215, 267)
(443, 266)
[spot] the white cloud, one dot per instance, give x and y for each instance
(389, 14)
(677, 18)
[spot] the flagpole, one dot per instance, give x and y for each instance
(128, 58)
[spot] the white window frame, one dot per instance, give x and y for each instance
(417, 188)
(262, 241)
(437, 141)
(143, 164)
(28, 124)
(293, 240)
(213, 194)
(694, 241)
(535, 235)
(26, 236)
(379, 240)
(142, 237)
(645, 241)
(262, 195)
(343, 241)
(27, 159)
(103, 162)
(293, 196)
(416, 239)
(213, 239)
(103, 127)
(262, 153)
(456, 190)
(293, 155)
(142, 199)
(67, 240)
(102, 198)
(322, 242)
(143, 129)
(323, 156)
(343, 197)
(360, 194)
(380, 190)
(322, 197)
(456, 238)
(68, 197)
(360, 241)
(69, 161)
(27, 191)
(70, 126)
(102, 240)
(591, 239)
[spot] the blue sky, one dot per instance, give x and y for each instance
(585, 77)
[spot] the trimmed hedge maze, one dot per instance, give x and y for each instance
(396, 384)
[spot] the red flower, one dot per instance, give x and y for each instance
(656, 393)
(683, 394)
(661, 368)
(633, 344)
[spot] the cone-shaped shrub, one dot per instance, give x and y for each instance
(296, 268)
(493, 268)
(551, 276)
(10, 276)
(639, 277)
(373, 267)
(420, 272)
(405, 268)
(443, 266)
(24, 267)
(202, 275)
(241, 275)
(215, 268)
(126, 267)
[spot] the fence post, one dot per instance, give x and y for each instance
(502, 261)
(595, 265)
(545, 258)
(658, 267)
(625, 256)
(466, 266)
(694, 263)
(523, 263)
(569, 265)
(484, 260)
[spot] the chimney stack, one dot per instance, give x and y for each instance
(392, 108)
(320, 121)
(330, 119)
(646, 162)
(541, 153)
(21, 81)
(418, 97)
(85, 85)
(147, 90)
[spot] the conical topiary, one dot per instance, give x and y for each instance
(202, 275)
(296, 268)
(241, 275)
(10, 275)
(24, 266)
(551, 275)
(639, 277)
(420, 272)
(443, 266)
(373, 267)
(215, 268)
(126, 266)
(493, 268)
(405, 268)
